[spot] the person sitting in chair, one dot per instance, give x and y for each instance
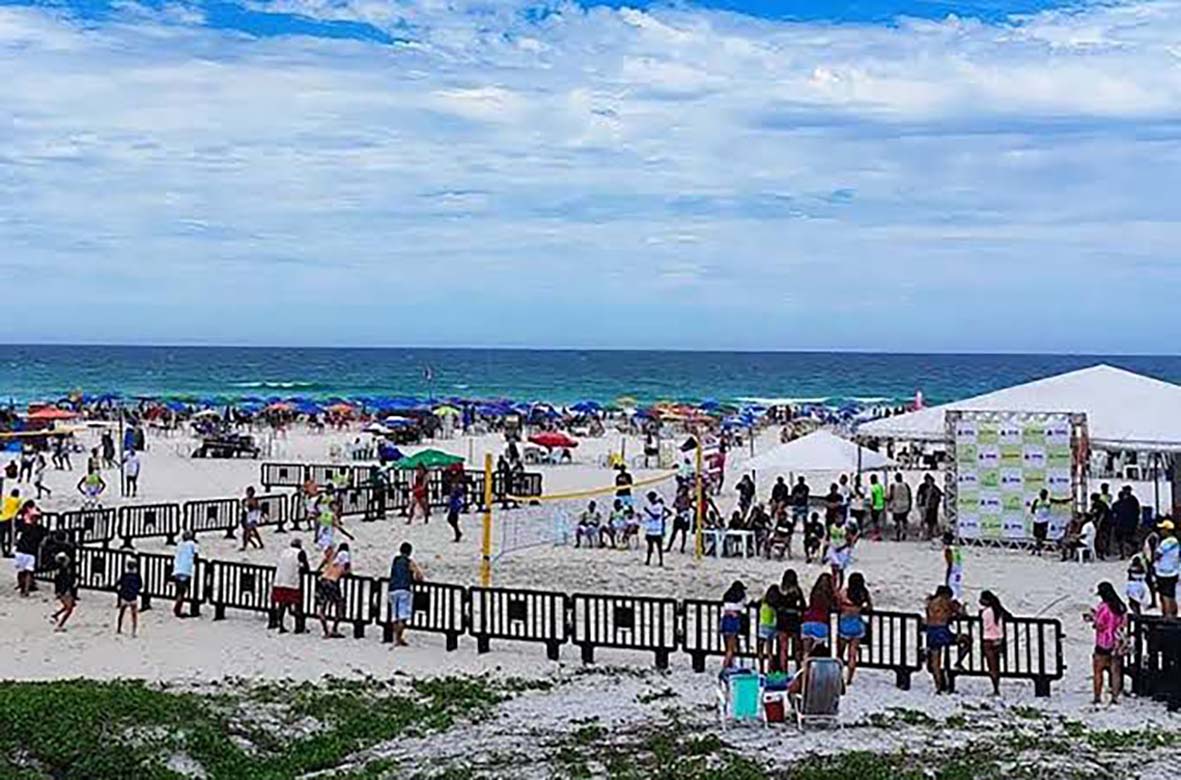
(589, 523)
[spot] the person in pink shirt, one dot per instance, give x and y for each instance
(992, 636)
(1109, 619)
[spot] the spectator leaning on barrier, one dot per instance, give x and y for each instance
(404, 572)
(286, 592)
(183, 562)
(1167, 567)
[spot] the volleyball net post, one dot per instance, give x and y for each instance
(486, 543)
(699, 535)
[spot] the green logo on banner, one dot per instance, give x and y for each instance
(987, 436)
(1014, 503)
(1034, 434)
(990, 478)
(1011, 455)
(1058, 457)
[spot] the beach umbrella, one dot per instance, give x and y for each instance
(51, 413)
(553, 439)
(280, 406)
(447, 411)
(586, 407)
(340, 407)
(431, 459)
(376, 428)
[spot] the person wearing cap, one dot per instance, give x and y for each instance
(128, 590)
(184, 560)
(1167, 565)
(65, 587)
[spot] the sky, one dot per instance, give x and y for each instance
(897, 175)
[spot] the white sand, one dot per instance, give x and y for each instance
(899, 576)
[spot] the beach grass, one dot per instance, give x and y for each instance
(90, 730)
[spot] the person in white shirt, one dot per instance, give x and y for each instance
(286, 592)
(131, 473)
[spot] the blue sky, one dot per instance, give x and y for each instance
(901, 175)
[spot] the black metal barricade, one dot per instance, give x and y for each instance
(275, 508)
(892, 641)
(87, 526)
(354, 501)
(357, 602)
(243, 586)
(627, 622)
(147, 520)
(1031, 650)
(156, 571)
(213, 514)
(702, 632)
(519, 615)
(282, 475)
(437, 607)
(324, 474)
(1153, 660)
(97, 568)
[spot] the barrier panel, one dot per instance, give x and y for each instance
(148, 520)
(282, 475)
(244, 586)
(626, 622)
(519, 615)
(1153, 660)
(357, 601)
(156, 571)
(276, 509)
(1032, 650)
(702, 633)
(99, 568)
(89, 526)
(892, 641)
(354, 501)
(438, 608)
(324, 474)
(212, 514)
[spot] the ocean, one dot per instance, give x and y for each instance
(29, 372)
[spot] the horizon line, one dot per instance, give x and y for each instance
(629, 349)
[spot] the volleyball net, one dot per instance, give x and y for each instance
(550, 520)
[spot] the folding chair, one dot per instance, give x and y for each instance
(738, 696)
(821, 700)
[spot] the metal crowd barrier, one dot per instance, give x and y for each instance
(893, 641)
(212, 514)
(148, 520)
(1032, 650)
(1153, 660)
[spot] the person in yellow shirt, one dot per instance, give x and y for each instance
(8, 510)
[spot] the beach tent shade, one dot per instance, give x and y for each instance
(1124, 410)
(341, 408)
(818, 451)
(51, 413)
(447, 411)
(553, 439)
(586, 407)
(431, 459)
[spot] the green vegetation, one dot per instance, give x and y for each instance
(86, 730)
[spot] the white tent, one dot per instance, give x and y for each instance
(1124, 410)
(818, 451)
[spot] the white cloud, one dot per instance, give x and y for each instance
(646, 159)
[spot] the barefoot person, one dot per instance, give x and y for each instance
(953, 559)
(329, 597)
(128, 589)
(992, 636)
(28, 544)
(852, 603)
(251, 517)
(184, 560)
(942, 608)
(655, 514)
(1109, 619)
(286, 593)
(1167, 567)
(65, 587)
(404, 572)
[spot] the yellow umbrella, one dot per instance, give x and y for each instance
(447, 411)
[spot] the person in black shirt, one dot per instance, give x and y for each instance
(623, 486)
(799, 500)
(1127, 519)
(746, 494)
(28, 545)
(65, 587)
(129, 587)
(779, 495)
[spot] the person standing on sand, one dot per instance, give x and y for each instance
(128, 589)
(251, 516)
(900, 502)
(877, 506)
(853, 602)
(39, 467)
(418, 496)
(1167, 567)
(799, 500)
(942, 608)
(10, 505)
(655, 514)
(28, 544)
(131, 467)
(65, 587)
(1109, 620)
(1040, 509)
(454, 507)
(184, 561)
(329, 597)
(929, 498)
(623, 486)
(992, 636)
(953, 559)
(404, 572)
(287, 593)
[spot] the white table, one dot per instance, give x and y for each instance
(720, 536)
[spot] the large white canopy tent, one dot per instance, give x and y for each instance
(819, 451)
(1125, 411)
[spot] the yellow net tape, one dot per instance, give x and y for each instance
(589, 492)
